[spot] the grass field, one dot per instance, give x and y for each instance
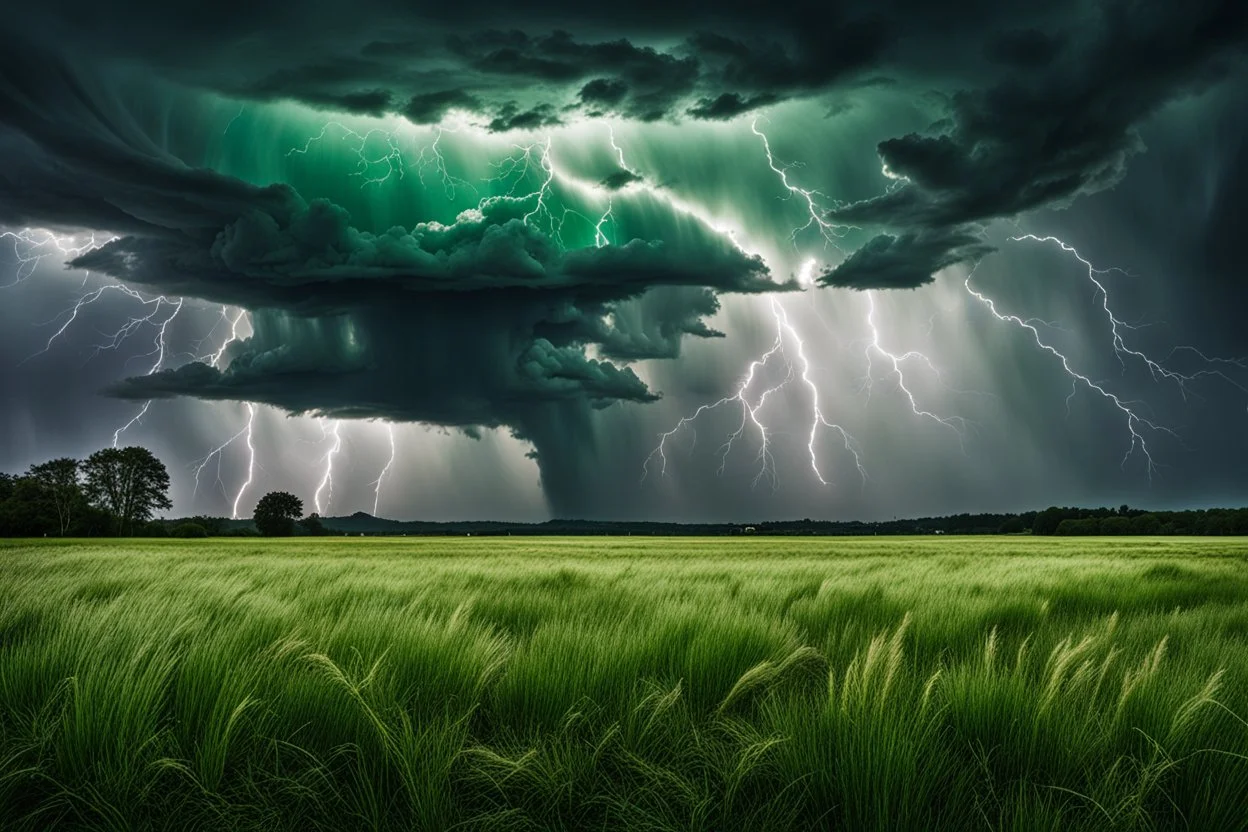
(595, 683)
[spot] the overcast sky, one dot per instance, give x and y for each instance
(524, 263)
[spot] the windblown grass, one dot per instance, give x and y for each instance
(753, 684)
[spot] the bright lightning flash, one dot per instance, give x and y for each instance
(326, 486)
(32, 245)
(1134, 420)
(385, 471)
(784, 326)
(1122, 352)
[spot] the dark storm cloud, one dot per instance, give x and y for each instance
(635, 81)
(905, 262)
(1042, 97)
(1037, 140)
(729, 105)
(313, 261)
(1025, 48)
(331, 85)
(511, 117)
(673, 58)
(620, 179)
(604, 92)
(71, 161)
(432, 107)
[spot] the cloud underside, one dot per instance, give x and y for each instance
(487, 321)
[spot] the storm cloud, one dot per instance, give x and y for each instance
(490, 318)
(1049, 132)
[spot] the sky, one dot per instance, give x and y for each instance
(518, 261)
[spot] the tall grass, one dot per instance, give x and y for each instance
(877, 684)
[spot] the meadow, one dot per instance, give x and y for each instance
(935, 683)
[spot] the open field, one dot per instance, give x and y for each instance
(607, 683)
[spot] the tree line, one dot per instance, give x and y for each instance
(1128, 521)
(113, 492)
(118, 491)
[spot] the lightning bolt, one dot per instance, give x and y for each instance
(525, 163)
(374, 168)
(1157, 369)
(600, 236)
(247, 433)
(818, 420)
(749, 416)
(385, 470)
(432, 162)
(31, 245)
(387, 161)
(127, 329)
(327, 480)
(784, 326)
(160, 349)
(1135, 422)
(896, 364)
(815, 213)
(230, 123)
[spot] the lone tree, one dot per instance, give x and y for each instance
(128, 483)
(59, 480)
(276, 514)
(313, 526)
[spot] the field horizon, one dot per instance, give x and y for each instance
(883, 683)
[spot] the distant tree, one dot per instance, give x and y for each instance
(1014, 525)
(128, 483)
(276, 513)
(1145, 524)
(1117, 525)
(1214, 522)
(313, 526)
(188, 530)
(28, 511)
(59, 478)
(8, 483)
(214, 526)
(1047, 521)
(1086, 526)
(152, 528)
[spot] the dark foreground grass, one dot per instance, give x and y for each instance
(880, 684)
